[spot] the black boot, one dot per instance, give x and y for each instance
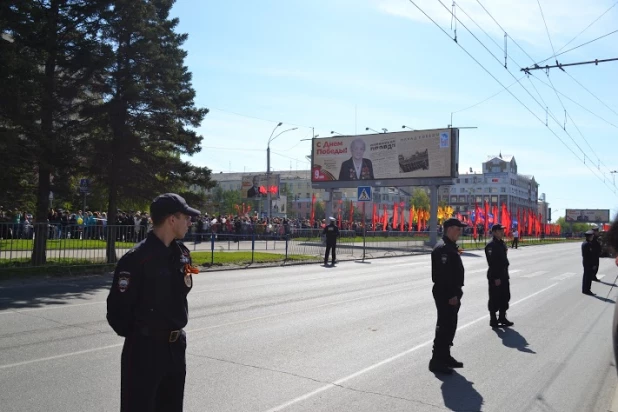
(453, 363)
(438, 363)
(504, 321)
(493, 322)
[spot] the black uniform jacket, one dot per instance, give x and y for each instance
(447, 270)
(332, 233)
(150, 288)
(590, 254)
(495, 252)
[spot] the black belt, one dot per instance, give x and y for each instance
(170, 336)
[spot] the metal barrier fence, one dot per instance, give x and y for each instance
(81, 244)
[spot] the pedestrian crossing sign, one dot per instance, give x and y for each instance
(364, 194)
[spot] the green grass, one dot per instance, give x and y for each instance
(70, 267)
(27, 244)
(242, 258)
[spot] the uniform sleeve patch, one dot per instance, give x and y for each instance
(444, 259)
(124, 278)
(489, 251)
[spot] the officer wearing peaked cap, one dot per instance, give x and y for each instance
(147, 305)
(447, 274)
(498, 278)
(597, 248)
(331, 233)
(590, 260)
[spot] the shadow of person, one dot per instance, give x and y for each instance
(459, 393)
(513, 339)
(607, 283)
(601, 298)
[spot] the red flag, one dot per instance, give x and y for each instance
(312, 219)
(486, 218)
(411, 219)
(395, 215)
(384, 219)
(402, 220)
(351, 213)
(374, 217)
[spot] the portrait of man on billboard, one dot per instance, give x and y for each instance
(582, 217)
(357, 167)
(254, 191)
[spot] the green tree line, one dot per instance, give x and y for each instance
(95, 89)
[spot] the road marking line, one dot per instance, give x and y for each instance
(514, 271)
(65, 355)
(384, 362)
(535, 274)
(563, 276)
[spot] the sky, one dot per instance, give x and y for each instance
(344, 65)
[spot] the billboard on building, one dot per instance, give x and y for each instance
(257, 186)
(280, 206)
(400, 155)
(587, 215)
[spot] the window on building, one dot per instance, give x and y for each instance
(462, 190)
(494, 199)
(479, 199)
(462, 199)
(503, 190)
(453, 199)
(458, 180)
(466, 180)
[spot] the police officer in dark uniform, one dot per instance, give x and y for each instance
(447, 273)
(147, 305)
(498, 278)
(590, 259)
(331, 233)
(598, 249)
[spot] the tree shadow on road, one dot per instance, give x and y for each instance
(38, 293)
(513, 339)
(459, 393)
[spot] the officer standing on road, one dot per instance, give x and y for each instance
(590, 259)
(598, 249)
(447, 273)
(498, 278)
(147, 305)
(515, 239)
(331, 233)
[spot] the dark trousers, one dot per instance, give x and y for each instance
(446, 325)
(589, 274)
(330, 248)
(515, 242)
(499, 297)
(152, 374)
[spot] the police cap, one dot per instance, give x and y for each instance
(169, 204)
(589, 232)
(497, 226)
(453, 221)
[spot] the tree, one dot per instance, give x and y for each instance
(46, 67)
(146, 114)
(420, 200)
(573, 227)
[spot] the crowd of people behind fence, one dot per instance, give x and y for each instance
(132, 226)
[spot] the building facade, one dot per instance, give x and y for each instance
(499, 183)
(296, 186)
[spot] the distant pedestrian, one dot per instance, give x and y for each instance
(498, 278)
(331, 233)
(515, 242)
(590, 260)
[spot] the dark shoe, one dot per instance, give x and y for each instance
(589, 293)
(439, 367)
(453, 363)
(505, 322)
(595, 280)
(494, 323)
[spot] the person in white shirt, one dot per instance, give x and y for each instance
(515, 241)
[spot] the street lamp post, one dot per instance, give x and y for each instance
(406, 127)
(384, 130)
(613, 172)
(270, 139)
(334, 132)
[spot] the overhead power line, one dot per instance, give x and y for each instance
(577, 47)
(602, 178)
(561, 65)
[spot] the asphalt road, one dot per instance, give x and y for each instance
(356, 337)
